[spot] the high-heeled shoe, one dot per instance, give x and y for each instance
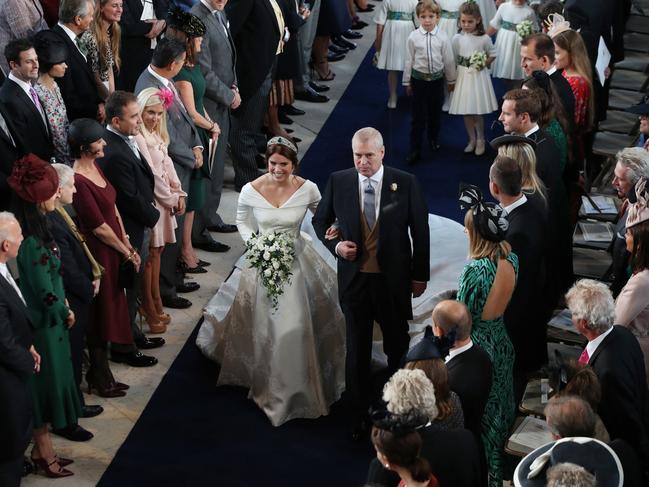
(108, 391)
(49, 470)
(315, 72)
(62, 461)
(165, 318)
(156, 326)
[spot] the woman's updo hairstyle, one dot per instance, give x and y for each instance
(284, 147)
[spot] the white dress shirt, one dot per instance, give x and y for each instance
(73, 37)
(4, 270)
(454, 352)
(429, 52)
(532, 130)
(519, 202)
(551, 71)
(593, 345)
(27, 87)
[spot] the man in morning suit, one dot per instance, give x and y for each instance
(21, 104)
(377, 211)
(18, 361)
(186, 152)
(615, 355)
(78, 86)
(520, 114)
(537, 54)
(469, 368)
(130, 174)
(524, 317)
(257, 27)
(217, 62)
(10, 150)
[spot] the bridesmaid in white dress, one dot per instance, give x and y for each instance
(448, 21)
(292, 358)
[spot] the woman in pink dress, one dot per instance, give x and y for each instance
(169, 198)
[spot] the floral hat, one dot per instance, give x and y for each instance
(557, 24)
(186, 22)
(33, 179)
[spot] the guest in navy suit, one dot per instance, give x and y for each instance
(18, 361)
(615, 355)
(21, 103)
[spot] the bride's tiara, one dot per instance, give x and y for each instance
(556, 24)
(279, 140)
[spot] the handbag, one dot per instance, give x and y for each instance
(126, 275)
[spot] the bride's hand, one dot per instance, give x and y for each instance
(332, 233)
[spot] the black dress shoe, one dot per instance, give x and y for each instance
(291, 110)
(212, 246)
(74, 432)
(134, 359)
(90, 411)
(284, 118)
(336, 49)
(342, 42)
(358, 25)
(317, 88)
(333, 57)
(222, 228)
(192, 270)
(147, 343)
(311, 96)
(350, 34)
(176, 302)
(187, 287)
(202, 263)
(412, 157)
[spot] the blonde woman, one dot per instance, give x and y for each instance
(523, 153)
(153, 140)
(486, 287)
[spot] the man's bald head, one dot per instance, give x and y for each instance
(452, 315)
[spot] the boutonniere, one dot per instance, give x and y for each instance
(393, 187)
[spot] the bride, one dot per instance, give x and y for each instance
(290, 356)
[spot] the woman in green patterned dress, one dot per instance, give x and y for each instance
(486, 286)
(54, 390)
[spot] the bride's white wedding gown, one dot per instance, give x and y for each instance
(292, 359)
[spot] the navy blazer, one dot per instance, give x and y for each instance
(16, 367)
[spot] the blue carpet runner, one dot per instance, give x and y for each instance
(192, 433)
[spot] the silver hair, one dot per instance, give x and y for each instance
(592, 301)
(410, 391)
(66, 173)
(6, 218)
(69, 9)
(569, 475)
(368, 135)
(636, 160)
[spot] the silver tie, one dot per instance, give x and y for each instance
(369, 206)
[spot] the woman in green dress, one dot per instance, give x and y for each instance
(54, 390)
(190, 84)
(486, 286)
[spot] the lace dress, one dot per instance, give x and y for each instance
(57, 115)
(291, 359)
(475, 284)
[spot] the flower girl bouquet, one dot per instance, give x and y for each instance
(478, 61)
(272, 255)
(524, 29)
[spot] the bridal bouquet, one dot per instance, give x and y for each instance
(478, 61)
(524, 28)
(272, 255)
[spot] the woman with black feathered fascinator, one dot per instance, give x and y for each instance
(486, 286)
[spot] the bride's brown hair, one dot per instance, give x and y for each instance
(285, 151)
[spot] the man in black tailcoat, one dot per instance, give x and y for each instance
(10, 150)
(18, 361)
(377, 210)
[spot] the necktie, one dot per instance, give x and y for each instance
(7, 275)
(38, 105)
(584, 358)
(369, 206)
(221, 18)
(131, 143)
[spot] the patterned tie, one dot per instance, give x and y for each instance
(369, 206)
(39, 107)
(584, 358)
(221, 18)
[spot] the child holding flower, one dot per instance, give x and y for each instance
(474, 94)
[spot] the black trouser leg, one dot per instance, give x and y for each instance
(418, 113)
(434, 102)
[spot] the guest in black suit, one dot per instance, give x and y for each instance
(537, 54)
(469, 368)
(130, 174)
(81, 277)
(78, 85)
(10, 150)
(255, 28)
(139, 38)
(520, 113)
(21, 103)
(615, 355)
(18, 361)
(524, 317)
(378, 210)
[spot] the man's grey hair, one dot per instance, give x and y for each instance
(6, 219)
(592, 301)
(368, 135)
(69, 9)
(66, 174)
(569, 416)
(636, 160)
(569, 475)
(410, 391)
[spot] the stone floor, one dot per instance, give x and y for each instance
(113, 426)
